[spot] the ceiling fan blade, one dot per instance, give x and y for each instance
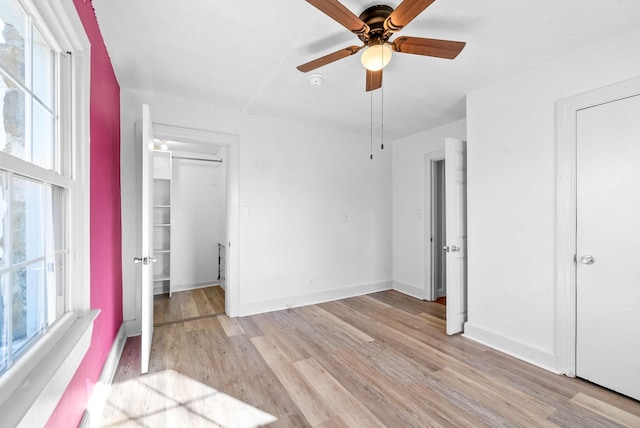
(337, 11)
(429, 47)
(405, 13)
(374, 80)
(327, 59)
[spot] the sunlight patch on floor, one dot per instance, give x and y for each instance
(170, 399)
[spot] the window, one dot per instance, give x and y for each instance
(45, 321)
(33, 201)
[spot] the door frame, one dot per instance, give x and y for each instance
(566, 212)
(429, 158)
(230, 142)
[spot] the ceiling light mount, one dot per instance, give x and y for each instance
(375, 17)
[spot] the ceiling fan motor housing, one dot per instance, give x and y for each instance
(375, 17)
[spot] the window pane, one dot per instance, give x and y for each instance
(34, 279)
(56, 252)
(27, 214)
(29, 110)
(12, 126)
(43, 70)
(27, 306)
(43, 138)
(4, 220)
(5, 332)
(12, 39)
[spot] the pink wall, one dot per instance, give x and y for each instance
(106, 254)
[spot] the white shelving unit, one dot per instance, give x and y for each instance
(162, 172)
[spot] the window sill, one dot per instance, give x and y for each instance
(32, 398)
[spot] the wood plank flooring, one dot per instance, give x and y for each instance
(185, 305)
(376, 360)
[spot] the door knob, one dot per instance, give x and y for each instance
(145, 260)
(454, 249)
(446, 248)
(587, 259)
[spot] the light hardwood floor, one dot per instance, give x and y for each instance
(185, 305)
(376, 360)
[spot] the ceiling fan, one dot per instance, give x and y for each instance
(374, 27)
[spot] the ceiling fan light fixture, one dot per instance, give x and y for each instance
(376, 57)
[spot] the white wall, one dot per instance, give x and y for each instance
(195, 218)
(409, 249)
(318, 207)
(512, 195)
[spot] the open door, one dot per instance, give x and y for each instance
(146, 259)
(456, 233)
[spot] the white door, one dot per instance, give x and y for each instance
(608, 245)
(456, 233)
(146, 260)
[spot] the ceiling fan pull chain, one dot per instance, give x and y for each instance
(382, 120)
(371, 128)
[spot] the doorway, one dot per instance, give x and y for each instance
(608, 245)
(190, 232)
(438, 232)
(445, 230)
(598, 306)
(151, 133)
(434, 226)
(193, 143)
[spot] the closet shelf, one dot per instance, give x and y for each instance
(162, 212)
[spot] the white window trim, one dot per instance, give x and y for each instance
(32, 388)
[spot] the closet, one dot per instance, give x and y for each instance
(190, 206)
(162, 174)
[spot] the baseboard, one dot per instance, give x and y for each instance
(93, 413)
(410, 290)
(523, 351)
(132, 327)
(160, 288)
(188, 287)
(258, 307)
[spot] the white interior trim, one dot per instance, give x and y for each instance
(567, 110)
(203, 137)
(32, 404)
(523, 351)
(409, 289)
(93, 413)
(288, 302)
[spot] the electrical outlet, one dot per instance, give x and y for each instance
(310, 282)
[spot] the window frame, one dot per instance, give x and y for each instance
(31, 389)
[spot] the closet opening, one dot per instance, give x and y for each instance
(190, 231)
(438, 232)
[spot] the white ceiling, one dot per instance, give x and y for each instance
(242, 54)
